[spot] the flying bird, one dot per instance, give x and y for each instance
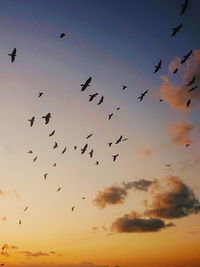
(192, 81)
(52, 133)
(86, 84)
(40, 94)
(142, 95)
(84, 149)
(13, 55)
(168, 165)
(30, 152)
(47, 118)
(54, 165)
(115, 157)
(161, 100)
(158, 67)
(185, 58)
(88, 136)
(124, 87)
(188, 103)
(101, 100)
(175, 71)
(26, 208)
(97, 163)
(192, 89)
(75, 147)
(119, 140)
(83, 197)
(118, 108)
(91, 153)
(92, 96)
(184, 7)
(55, 145)
(45, 176)
(35, 159)
(64, 150)
(62, 35)
(187, 145)
(73, 208)
(110, 116)
(58, 189)
(20, 222)
(176, 29)
(124, 139)
(31, 121)
(110, 144)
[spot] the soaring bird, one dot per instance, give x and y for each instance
(168, 165)
(124, 87)
(58, 189)
(187, 145)
(35, 159)
(96, 163)
(88, 136)
(75, 147)
(188, 103)
(101, 100)
(115, 157)
(161, 100)
(86, 84)
(20, 222)
(110, 144)
(124, 139)
(175, 71)
(91, 153)
(192, 89)
(142, 95)
(47, 118)
(52, 133)
(31, 121)
(30, 152)
(45, 176)
(40, 94)
(62, 35)
(158, 67)
(54, 165)
(73, 208)
(184, 7)
(119, 140)
(192, 81)
(84, 149)
(26, 208)
(13, 55)
(118, 108)
(176, 29)
(110, 116)
(64, 150)
(92, 96)
(55, 145)
(185, 58)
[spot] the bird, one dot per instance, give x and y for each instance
(124, 139)
(188, 103)
(2, 264)
(55, 145)
(13, 55)
(101, 100)
(192, 81)
(158, 67)
(30, 152)
(40, 94)
(35, 159)
(58, 189)
(184, 7)
(45, 175)
(110, 116)
(31, 121)
(75, 147)
(187, 145)
(142, 95)
(118, 108)
(91, 153)
(54, 165)
(161, 100)
(64, 150)
(26, 208)
(185, 58)
(175, 71)
(62, 35)
(176, 29)
(88, 136)
(110, 144)
(119, 140)
(52, 133)
(20, 222)
(96, 163)
(92, 96)
(47, 118)
(73, 208)
(168, 165)
(84, 149)
(86, 84)
(192, 89)
(124, 87)
(83, 197)
(115, 157)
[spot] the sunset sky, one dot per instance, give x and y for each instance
(136, 211)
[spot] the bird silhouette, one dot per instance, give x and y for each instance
(160, 100)
(64, 150)
(168, 165)
(35, 159)
(188, 103)
(184, 7)
(86, 84)
(62, 35)
(119, 140)
(192, 81)
(96, 163)
(118, 108)
(185, 58)
(30, 152)
(187, 145)
(192, 89)
(31, 121)
(47, 118)
(55, 145)
(176, 29)
(40, 94)
(110, 116)
(83, 197)
(52, 133)
(124, 87)
(175, 71)
(115, 157)
(58, 189)
(91, 153)
(54, 165)
(101, 100)
(142, 95)
(45, 176)
(13, 55)
(84, 149)
(20, 222)
(124, 139)
(158, 67)
(75, 147)
(92, 96)
(88, 136)
(110, 144)
(26, 208)
(73, 208)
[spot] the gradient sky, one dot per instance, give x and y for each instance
(116, 43)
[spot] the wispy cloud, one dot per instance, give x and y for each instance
(181, 132)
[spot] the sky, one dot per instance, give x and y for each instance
(142, 209)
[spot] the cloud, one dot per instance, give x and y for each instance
(181, 132)
(146, 152)
(34, 254)
(3, 219)
(174, 64)
(174, 200)
(114, 195)
(133, 223)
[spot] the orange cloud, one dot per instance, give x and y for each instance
(181, 132)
